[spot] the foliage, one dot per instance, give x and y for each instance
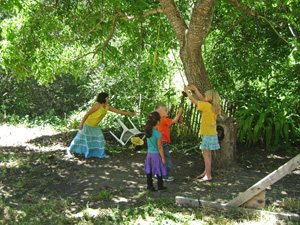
(28, 97)
(247, 59)
(255, 67)
(53, 49)
(76, 37)
(114, 47)
(272, 126)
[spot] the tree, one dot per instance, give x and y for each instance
(77, 34)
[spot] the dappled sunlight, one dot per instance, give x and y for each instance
(11, 163)
(92, 186)
(5, 191)
(119, 199)
(273, 156)
(88, 212)
(41, 148)
(296, 171)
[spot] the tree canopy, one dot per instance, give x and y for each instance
(47, 38)
(247, 50)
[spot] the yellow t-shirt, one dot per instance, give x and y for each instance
(208, 119)
(94, 119)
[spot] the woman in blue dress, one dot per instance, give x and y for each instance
(89, 139)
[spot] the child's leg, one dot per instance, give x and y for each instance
(160, 183)
(150, 182)
(168, 164)
(207, 162)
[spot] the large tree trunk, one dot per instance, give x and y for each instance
(190, 40)
(225, 158)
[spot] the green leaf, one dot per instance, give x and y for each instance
(268, 135)
(258, 127)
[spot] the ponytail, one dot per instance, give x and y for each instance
(153, 118)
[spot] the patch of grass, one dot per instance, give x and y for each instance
(115, 150)
(103, 195)
(161, 202)
(6, 157)
(290, 204)
(83, 171)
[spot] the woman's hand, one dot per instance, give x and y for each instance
(80, 126)
(163, 161)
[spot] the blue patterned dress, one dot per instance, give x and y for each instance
(90, 140)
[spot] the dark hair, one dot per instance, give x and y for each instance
(102, 97)
(153, 118)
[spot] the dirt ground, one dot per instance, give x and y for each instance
(43, 168)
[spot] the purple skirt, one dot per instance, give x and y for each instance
(154, 165)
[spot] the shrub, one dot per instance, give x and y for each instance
(272, 126)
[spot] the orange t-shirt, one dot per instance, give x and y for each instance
(164, 129)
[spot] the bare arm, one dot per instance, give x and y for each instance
(112, 109)
(161, 150)
(176, 118)
(94, 108)
(193, 100)
(197, 92)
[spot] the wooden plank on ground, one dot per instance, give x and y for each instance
(189, 202)
(265, 182)
(258, 201)
(197, 203)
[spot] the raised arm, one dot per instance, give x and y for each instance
(197, 92)
(176, 118)
(112, 109)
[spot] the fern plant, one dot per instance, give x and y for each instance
(270, 126)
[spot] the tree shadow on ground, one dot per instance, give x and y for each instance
(39, 169)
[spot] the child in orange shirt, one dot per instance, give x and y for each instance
(164, 129)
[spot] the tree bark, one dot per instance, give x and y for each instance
(190, 40)
(225, 158)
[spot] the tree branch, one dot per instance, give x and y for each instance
(53, 6)
(112, 30)
(124, 17)
(175, 18)
(253, 14)
(90, 31)
(243, 7)
(145, 14)
(36, 16)
(119, 15)
(201, 19)
(282, 38)
(80, 57)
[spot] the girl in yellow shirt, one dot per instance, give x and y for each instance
(90, 140)
(210, 107)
